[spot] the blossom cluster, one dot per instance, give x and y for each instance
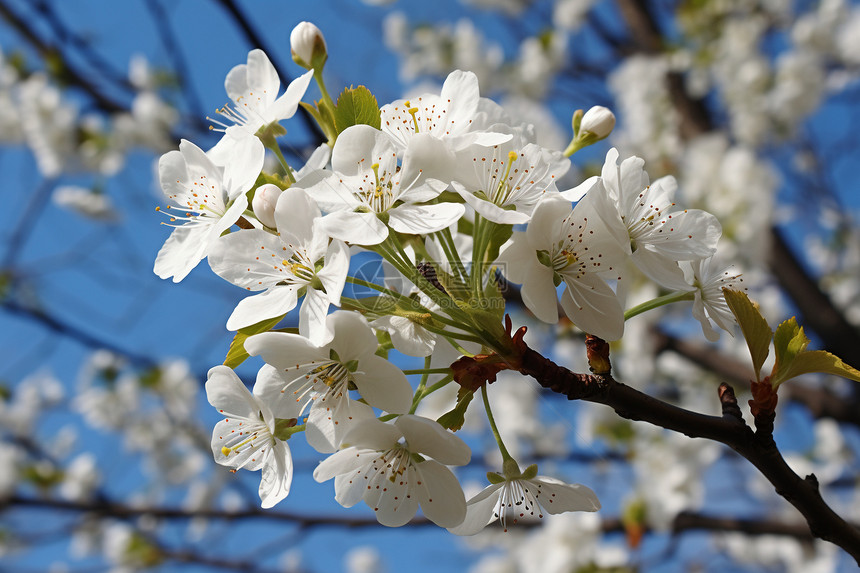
(454, 195)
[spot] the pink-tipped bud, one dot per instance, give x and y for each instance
(308, 46)
(265, 199)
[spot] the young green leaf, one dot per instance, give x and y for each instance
(788, 341)
(753, 325)
(356, 106)
(819, 361)
(237, 353)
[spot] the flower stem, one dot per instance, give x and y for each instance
(658, 302)
(504, 451)
(427, 371)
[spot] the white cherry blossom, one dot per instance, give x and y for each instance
(254, 88)
(323, 375)
(380, 465)
(283, 264)
(644, 220)
(246, 437)
(455, 116)
(525, 496)
(207, 196)
(504, 182)
(367, 192)
(575, 247)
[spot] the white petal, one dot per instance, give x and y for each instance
(480, 511)
(423, 219)
(270, 303)
(545, 227)
(660, 269)
(246, 161)
(328, 424)
(578, 192)
(181, 252)
(374, 435)
(355, 228)
(277, 475)
(593, 307)
(250, 258)
(395, 503)
(539, 294)
(275, 388)
(559, 497)
(359, 146)
(517, 258)
(383, 385)
(427, 436)
(441, 496)
(312, 317)
(226, 392)
(333, 274)
(285, 106)
(295, 213)
(353, 337)
(490, 210)
(407, 336)
(283, 350)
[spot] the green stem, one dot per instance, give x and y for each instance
(271, 143)
(427, 371)
(450, 248)
(321, 83)
(424, 393)
(504, 451)
(658, 302)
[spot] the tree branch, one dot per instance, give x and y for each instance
(730, 429)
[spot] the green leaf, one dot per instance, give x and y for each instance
(753, 325)
(788, 341)
(237, 353)
(820, 361)
(356, 106)
(455, 419)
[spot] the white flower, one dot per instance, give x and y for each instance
(210, 196)
(707, 283)
(523, 496)
(380, 465)
(323, 375)
(512, 175)
(254, 88)
(246, 437)
(365, 185)
(644, 223)
(599, 121)
(450, 116)
(573, 246)
(280, 265)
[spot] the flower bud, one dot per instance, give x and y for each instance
(599, 121)
(308, 46)
(263, 205)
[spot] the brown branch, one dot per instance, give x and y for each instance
(686, 521)
(757, 447)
